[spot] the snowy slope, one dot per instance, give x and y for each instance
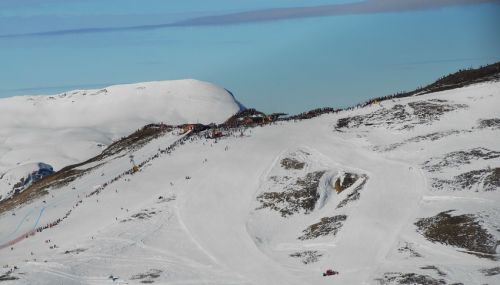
(19, 178)
(67, 128)
(366, 192)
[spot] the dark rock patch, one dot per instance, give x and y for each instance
(348, 180)
(464, 231)
(491, 271)
(423, 112)
(308, 256)
(292, 163)
(327, 226)
(483, 180)
(354, 195)
(408, 248)
(394, 115)
(490, 123)
(144, 214)
(298, 197)
(432, 267)
(409, 278)
(282, 180)
(8, 277)
(147, 277)
(458, 158)
(167, 199)
(75, 251)
(428, 137)
(427, 111)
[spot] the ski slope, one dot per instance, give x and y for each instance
(231, 211)
(70, 127)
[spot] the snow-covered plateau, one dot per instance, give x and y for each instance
(403, 191)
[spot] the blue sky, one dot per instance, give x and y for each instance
(282, 55)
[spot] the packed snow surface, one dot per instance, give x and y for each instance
(70, 127)
(372, 193)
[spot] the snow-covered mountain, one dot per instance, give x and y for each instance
(19, 178)
(70, 127)
(402, 191)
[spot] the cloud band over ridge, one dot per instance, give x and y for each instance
(276, 14)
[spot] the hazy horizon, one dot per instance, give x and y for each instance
(289, 56)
